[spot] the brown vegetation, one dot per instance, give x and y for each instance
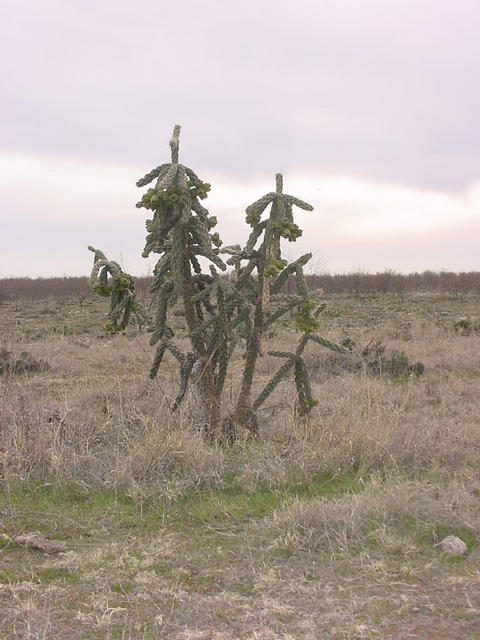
(323, 527)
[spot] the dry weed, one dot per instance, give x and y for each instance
(383, 511)
(93, 418)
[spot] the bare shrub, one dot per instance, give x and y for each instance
(24, 362)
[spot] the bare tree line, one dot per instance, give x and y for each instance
(357, 284)
(391, 282)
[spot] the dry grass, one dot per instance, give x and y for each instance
(384, 511)
(321, 528)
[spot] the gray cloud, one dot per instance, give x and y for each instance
(59, 207)
(370, 108)
(380, 89)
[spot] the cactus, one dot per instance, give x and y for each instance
(265, 296)
(220, 313)
(121, 291)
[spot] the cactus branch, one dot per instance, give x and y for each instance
(175, 143)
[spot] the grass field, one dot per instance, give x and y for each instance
(323, 527)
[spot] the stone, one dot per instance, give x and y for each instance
(453, 546)
(35, 540)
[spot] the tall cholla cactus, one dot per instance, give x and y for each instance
(265, 294)
(223, 313)
(180, 232)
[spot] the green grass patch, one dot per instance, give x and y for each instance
(326, 485)
(44, 575)
(226, 504)
(50, 574)
(10, 576)
(237, 505)
(73, 511)
(123, 588)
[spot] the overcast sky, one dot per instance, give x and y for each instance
(369, 108)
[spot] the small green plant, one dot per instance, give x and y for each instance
(466, 326)
(221, 314)
(395, 364)
(349, 344)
